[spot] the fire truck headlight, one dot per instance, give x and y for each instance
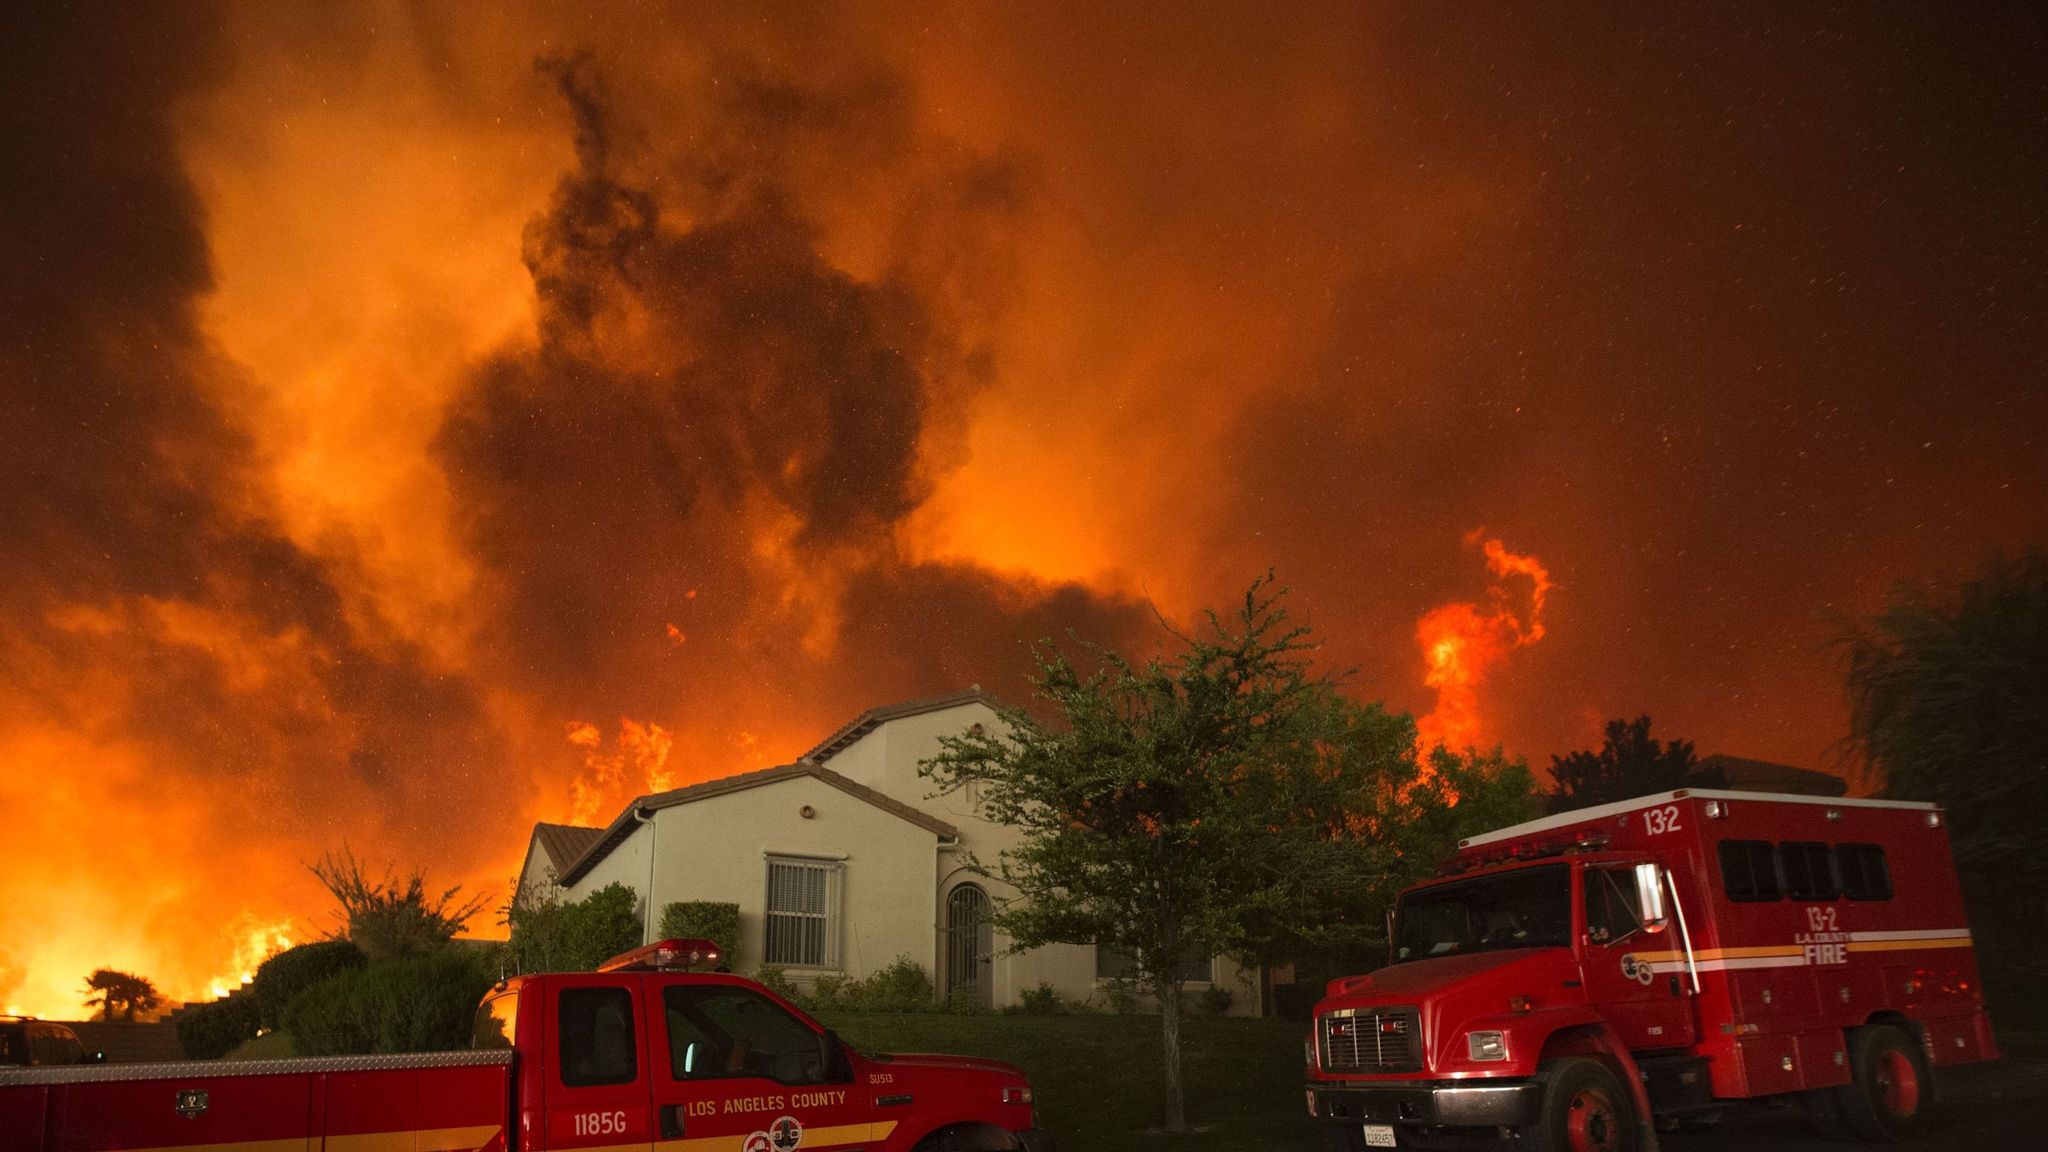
(1486, 1045)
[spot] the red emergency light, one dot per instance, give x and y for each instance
(666, 956)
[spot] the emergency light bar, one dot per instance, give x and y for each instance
(666, 956)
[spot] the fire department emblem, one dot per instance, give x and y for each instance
(758, 1142)
(785, 1134)
(1637, 970)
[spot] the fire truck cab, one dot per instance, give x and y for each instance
(1571, 982)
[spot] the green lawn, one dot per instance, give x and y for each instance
(1099, 1079)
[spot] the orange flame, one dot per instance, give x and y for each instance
(643, 749)
(1461, 642)
(259, 942)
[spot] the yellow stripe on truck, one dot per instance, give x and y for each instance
(1907, 945)
(813, 1138)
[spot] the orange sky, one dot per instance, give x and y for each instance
(424, 425)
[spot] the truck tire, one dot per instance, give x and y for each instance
(1889, 1089)
(1585, 1109)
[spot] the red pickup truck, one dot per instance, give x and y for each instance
(643, 1054)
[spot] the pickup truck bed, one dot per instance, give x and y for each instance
(428, 1102)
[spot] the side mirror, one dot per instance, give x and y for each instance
(1393, 954)
(1650, 897)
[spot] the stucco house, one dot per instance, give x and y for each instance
(842, 862)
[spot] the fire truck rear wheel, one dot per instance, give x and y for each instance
(1585, 1109)
(1888, 1091)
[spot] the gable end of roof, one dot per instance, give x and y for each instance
(874, 718)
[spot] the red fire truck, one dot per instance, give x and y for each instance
(1569, 983)
(643, 1054)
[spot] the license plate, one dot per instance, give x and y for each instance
(1379, 1135)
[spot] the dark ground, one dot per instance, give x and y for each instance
(1997, 1107)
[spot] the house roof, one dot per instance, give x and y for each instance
(1744, 775)
(618, 830)
(874, 718)
(563, 843)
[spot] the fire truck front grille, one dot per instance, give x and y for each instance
(1385, 1040)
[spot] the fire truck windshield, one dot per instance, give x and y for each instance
(1527, 908)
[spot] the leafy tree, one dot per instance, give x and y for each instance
(1948, 701)
(1629, 764)
(123, 992)
(388, 918)
(1221, 799)
(551, 935)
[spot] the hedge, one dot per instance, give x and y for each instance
(711, 920)
(294, 970)
(422, 1004)
(211, 1031)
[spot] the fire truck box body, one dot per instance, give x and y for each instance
(623, 1059)
(1770, 934)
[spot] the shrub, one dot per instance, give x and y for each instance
(548, 935)
(210, 1031)
(711, 920)
(389, 918)
(833, 992)
(778, 982)
(421, 1004)
(1215, 1000)
(294, 970)
(902, 986)
(1044, 1000)
(1121, 998)
(963, 1002)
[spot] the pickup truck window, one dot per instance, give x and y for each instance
(1529, 908)
(722, 1030)
(596, 1030)
(496, 1020)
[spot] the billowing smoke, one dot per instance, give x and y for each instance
(416, 425)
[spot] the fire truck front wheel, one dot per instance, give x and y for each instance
(1889, 1089)
(1585, 1109)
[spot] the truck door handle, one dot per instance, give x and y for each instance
(671, 1122)
(1674, 985)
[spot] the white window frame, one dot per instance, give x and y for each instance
(830, 917)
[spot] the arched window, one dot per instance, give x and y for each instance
(969, 943)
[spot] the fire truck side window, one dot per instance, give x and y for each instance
(1749, 869)
(1808, 869)
(596, 1027)
(1865, 875)
(1610, 905)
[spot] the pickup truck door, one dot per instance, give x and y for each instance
(739, 1070)
(1630, 976)
(595, 1085)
